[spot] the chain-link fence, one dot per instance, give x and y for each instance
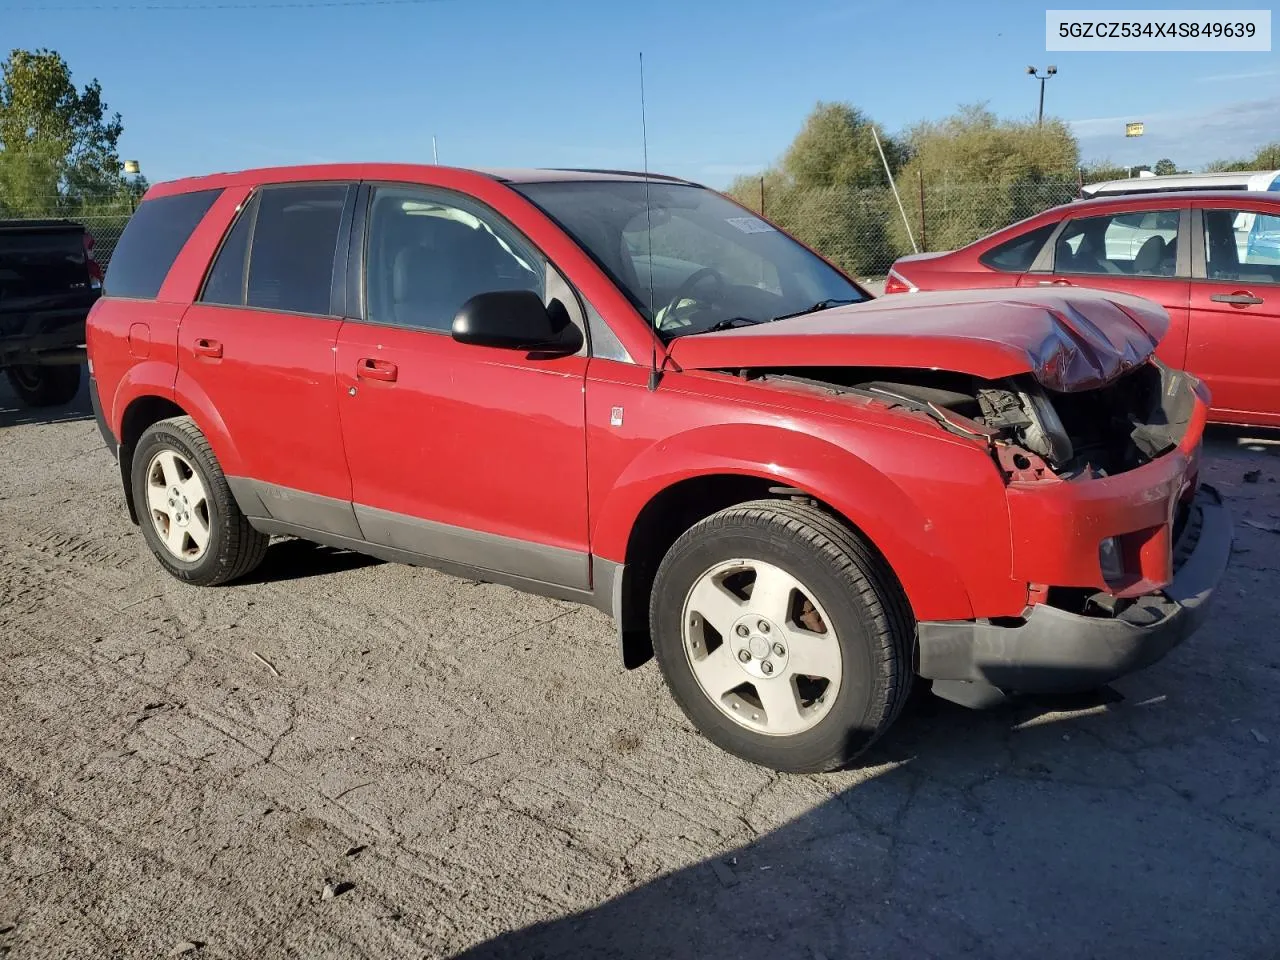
(104, 221)
(864, 230)
(861, 230)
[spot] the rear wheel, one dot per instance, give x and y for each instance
(782, 635)
(38, 386)
(186, 511)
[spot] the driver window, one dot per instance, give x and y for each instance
(430, 252)
(1250, 255)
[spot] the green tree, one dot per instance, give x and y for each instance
(58, 146)
(980, 172)
(836, 148)
(1164, 168)
(1267, 157)
(830, 189)
(1100, 171)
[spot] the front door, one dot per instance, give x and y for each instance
(466, 454)
(1235, 312)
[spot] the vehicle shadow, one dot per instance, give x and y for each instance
(14, 414)
(1227, 440)
(291, 559)
(1035, 829)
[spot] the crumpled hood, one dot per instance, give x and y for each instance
(1069, 340)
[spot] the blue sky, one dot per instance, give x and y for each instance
(556, 82)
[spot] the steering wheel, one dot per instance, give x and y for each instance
(687, 288)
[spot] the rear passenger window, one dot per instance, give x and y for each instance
(1017, 255)
(1139, 244)
(225, 283)
(152, 240)
(295, 237)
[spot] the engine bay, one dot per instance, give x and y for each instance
(1035, 432)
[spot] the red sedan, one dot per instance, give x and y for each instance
(1212, 259)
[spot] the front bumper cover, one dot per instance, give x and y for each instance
(1055, 651)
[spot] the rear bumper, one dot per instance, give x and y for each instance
(95, 402)
(45, 335)
(1055, 651)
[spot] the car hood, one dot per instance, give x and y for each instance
(1068, 340)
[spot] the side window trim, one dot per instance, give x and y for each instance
(341, 252)
(1044, 261)
(254, 203)
(557, 287)
(1182, 265)
(1199, 261)
(357, 242)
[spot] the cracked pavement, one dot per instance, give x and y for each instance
(478, 767)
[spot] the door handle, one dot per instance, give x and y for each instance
(371, 369)
(208, 348)
(1236, 299)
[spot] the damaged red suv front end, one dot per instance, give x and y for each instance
(1116, 543)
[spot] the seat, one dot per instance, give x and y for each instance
(1150, 255)
(1222, 255)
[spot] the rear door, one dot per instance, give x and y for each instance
(259, 344)
(1141, 250)
(1234, 344)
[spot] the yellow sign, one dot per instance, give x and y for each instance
(1133, 129)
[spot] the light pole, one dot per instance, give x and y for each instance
(133, 167)
(1050, 71)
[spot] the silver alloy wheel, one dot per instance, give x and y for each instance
(761, 647)
(178, 505)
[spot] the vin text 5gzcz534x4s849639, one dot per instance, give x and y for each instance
(820, 495)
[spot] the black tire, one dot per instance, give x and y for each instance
(45, 386)
(848, 578)
(235, 548)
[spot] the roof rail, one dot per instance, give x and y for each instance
(625, 173)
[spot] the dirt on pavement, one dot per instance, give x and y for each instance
(345, 758)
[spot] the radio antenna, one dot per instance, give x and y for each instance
(648, 219)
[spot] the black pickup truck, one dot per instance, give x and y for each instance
(48, 281)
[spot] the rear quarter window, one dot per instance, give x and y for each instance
(1018, 253)
(151, 241)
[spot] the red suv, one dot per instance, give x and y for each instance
(1212, 259)
(634, 393)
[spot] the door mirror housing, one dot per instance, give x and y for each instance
(516, 320)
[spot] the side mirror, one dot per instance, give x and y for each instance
(515, 320)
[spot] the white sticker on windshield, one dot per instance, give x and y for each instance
(751, 225)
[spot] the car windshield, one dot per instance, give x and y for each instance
(711, 263)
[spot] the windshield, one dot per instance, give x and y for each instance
(714, 264)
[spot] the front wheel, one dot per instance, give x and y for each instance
(41, 386)
(782, 635)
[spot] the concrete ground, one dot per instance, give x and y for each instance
(183, 771)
